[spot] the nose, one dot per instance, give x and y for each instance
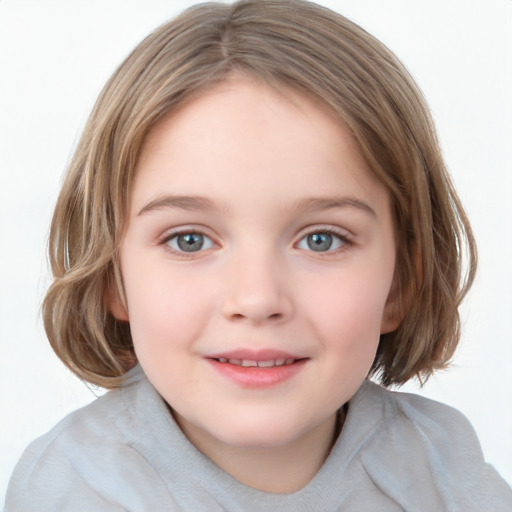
(257, 291)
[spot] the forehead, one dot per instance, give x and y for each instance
(259, 105)
(247, 132)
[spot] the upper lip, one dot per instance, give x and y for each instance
(255, 355)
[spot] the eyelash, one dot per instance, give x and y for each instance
(345, 240)
(175, 234)
(343, 237)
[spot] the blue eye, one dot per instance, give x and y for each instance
(189, 242)
(321, 241)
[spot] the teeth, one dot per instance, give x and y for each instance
(249, 363)
(266, 364)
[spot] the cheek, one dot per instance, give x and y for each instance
(346, 315)
(349, 302)
(349, 333)
(167, 317)
(165, 310)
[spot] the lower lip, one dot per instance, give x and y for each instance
(255, 377)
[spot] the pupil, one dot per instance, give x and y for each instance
(190, 242)
(320, 241)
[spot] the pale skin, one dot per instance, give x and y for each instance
(255, 225)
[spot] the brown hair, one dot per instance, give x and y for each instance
(282, 42)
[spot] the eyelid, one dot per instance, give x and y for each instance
(324, 228)
(344, 235)
(183, 230)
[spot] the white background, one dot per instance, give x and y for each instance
(55, 55)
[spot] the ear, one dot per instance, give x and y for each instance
(115, 305)
(401, 295)
(392, 315)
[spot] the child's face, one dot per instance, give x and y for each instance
(256, 235)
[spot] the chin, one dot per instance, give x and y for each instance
(261, 435)
(269, 440)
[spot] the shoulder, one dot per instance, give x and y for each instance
(413, 426)
(103, 418)
(86, 458)
(63, 451)
(415, 421)
(428, 449)
(398, 406)
(427, 419)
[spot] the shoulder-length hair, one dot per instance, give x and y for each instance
(290, 43)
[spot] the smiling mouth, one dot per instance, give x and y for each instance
(258, 370)
(251, 363)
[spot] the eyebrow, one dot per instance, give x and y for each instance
(192, 203)
(327, 203)
(309, 204)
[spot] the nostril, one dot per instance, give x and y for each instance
(256, 308)
(274, 317)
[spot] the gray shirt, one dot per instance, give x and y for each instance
(124, 452)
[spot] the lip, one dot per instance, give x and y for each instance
(255, 376)
(255, 355)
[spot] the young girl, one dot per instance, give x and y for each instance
(257, 220)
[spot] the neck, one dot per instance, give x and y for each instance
(277, 469)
